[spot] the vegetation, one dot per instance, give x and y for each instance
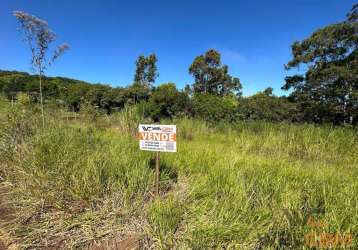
(214, 108)
(265, 106)
(167, 102)
(146, 70)
(211, 77)
(328, 91)
(39, 36)
(251, 172)
(249, 185)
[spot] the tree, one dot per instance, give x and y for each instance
(268, 91)
(64, 92)
(113, 99)
(266, 106)
(39, 36)
(138, 92)
(96, 95)
(214, 108)
(167, 102)
(145, 75)
(328, 91)
(212, 77)
(146, 70)
(75, 95)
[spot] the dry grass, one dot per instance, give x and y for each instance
(241, 186)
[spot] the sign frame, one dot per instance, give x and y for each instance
(153, 137)
(157, 138)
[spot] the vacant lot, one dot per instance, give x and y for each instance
(240, 186)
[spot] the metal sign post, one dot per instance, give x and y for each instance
(157, 138)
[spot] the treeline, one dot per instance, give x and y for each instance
(165, 101)
(64, 92)
(326, 93)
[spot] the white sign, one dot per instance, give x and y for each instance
(158, 137)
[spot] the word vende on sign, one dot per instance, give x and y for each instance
(158, 137)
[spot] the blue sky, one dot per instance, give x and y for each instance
(106, 36)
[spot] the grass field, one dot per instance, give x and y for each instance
(239, 186)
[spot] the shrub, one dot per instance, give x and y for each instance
(167, 102)
(265, 106)
(89, 112)
(214, 108)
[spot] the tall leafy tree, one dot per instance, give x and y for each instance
(328, 91)
(39, 37)
(146, 69)
(145, 75)
(212, 77)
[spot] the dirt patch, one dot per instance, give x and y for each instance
(128, 243)
(2, 246)
(120, 241)
(5, 218)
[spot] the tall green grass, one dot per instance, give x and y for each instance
(238, 186)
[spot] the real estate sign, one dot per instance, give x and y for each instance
(161, 138)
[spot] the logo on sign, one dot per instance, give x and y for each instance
(150, 128)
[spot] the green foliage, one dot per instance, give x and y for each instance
(12, 82)
(167, 102)
(137, 92)
(265, 106)
(66, 92)
(146, 70)
(214, 108)
(240, 186)
(328, 91)
(90, 112)
(231, 185)
(212, 77)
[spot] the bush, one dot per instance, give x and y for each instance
(214, 108)
(167, 102)
(89, 112)
(265, 106)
